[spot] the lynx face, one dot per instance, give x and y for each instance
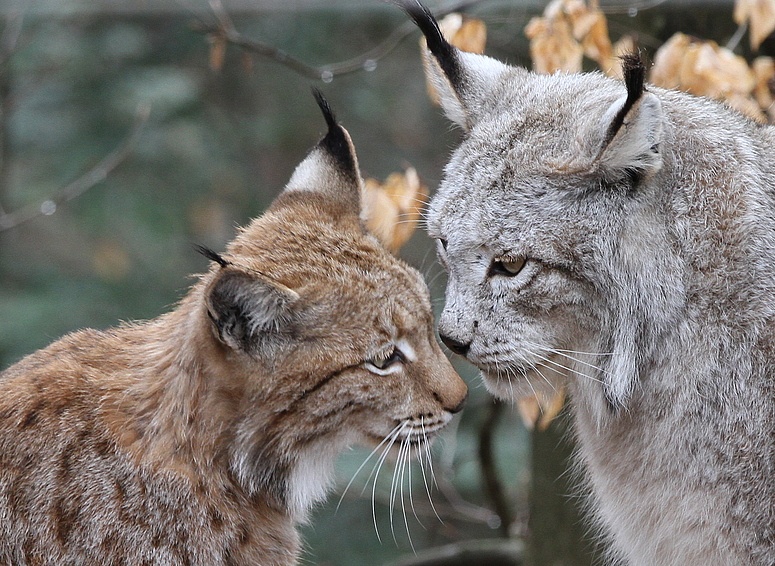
(350, 342)
(540, 213)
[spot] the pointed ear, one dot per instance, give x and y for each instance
(246, 308)
(633, 136)
(331, 168)
(462, 79)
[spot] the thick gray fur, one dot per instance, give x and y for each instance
(648, 288)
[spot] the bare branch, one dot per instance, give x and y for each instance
(489, 470)
(83, 183)
(734, 41)
(224, 31)
(483, 551)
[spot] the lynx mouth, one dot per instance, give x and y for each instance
(414, 431)
(509, 382)
(419, 437)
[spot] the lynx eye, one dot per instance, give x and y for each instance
(383, 361)
(507, 268)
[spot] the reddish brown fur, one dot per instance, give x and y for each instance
(167, 442)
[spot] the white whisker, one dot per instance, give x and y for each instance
(405, 449)
(425, 483)
(352, 479)
(377, 468)
(428, 455)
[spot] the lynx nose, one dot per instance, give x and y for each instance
(459, 407)
(457, 347)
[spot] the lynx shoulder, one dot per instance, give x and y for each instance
(204, 436)
(620, 239)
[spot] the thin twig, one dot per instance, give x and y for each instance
(489, 470)
(83, 183)
(462, 506)
(734, 41)
(225, 31)
(628, 7)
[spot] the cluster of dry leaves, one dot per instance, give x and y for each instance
(570, 30)
(392, 208)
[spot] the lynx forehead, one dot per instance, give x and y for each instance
(620, 239)
(203, 436)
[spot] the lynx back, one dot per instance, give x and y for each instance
(620, 239)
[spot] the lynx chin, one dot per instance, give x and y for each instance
(620, 239)
(203, 436)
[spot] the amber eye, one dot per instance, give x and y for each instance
(507, 268)
(384, 361)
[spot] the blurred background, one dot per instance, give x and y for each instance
(131, 130)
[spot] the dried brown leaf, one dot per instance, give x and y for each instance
(552, 45)
(539, 411)
(706, 69)
(568, 30)
(764, 71)
(392, 209)
(596, 42)
(760, 15)
(668, 60)
(467, 34)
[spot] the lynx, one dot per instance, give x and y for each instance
(620, 239)
(205, 435)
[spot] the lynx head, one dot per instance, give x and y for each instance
(545, 224)
(334, 336)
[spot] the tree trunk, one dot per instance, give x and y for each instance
(557, 529)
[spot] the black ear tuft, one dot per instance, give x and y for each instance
(442, 50)
(211, 255)
(336, 141)
(634, 72)
(325, 107)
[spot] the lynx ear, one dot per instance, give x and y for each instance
(462, 79)
(631, 145)
(247, 308)
(331, 168)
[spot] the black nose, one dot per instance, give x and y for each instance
(458, 347)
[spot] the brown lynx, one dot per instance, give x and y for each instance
(203, 436)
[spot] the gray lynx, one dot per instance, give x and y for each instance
(620, 239)
(203, 436)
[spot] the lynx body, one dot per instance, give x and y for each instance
(204, 436)
(621, 240)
